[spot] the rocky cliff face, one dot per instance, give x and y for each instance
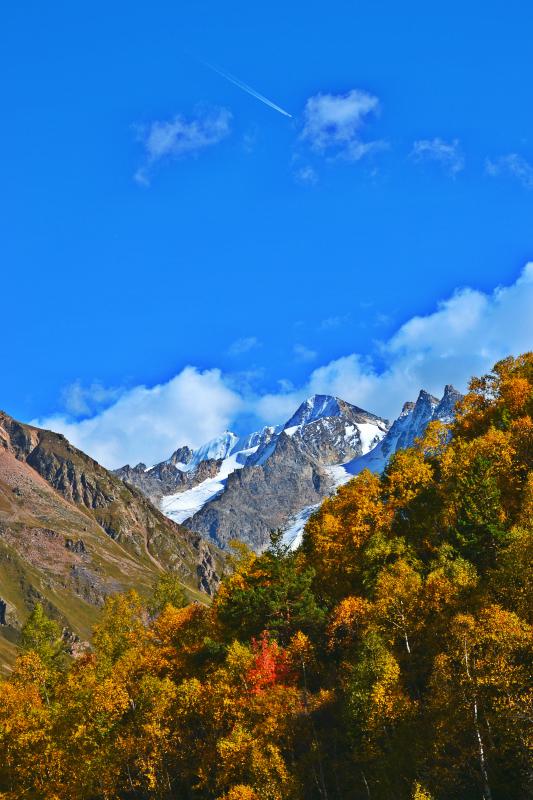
(260, 498)
(336, 439)
(72, 533)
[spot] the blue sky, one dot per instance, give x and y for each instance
(177, 255)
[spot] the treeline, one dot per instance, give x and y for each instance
(388, 659)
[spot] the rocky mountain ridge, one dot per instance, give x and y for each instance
(410, 425)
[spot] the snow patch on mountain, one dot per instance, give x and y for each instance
(182, 505)
(338, 474)
(370, 435)
(254, 440)
(376, 459)
(216, 449)
(293, 534)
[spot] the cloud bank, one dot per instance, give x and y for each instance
(147, 423)
(465, 335)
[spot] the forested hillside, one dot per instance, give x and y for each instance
(386, 659)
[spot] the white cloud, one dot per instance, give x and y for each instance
(243, 345)
(447, 154)
(306, 175)
(80, 401)
(147, 424)
(333, 123)
(514, 165)
(330, 323)
(303, 353)
(464, 336)
(250, 139)
(181, 137)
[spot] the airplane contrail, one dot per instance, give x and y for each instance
(244, 86)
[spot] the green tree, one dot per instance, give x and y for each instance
(274, 593)
(122, 625)
(479, 532)
(167, 590)
(42, 635)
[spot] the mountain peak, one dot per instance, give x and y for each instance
(315, 407)
(182, 456)
(217, 448)
(426, 397)
(446, 408)
(451, 391)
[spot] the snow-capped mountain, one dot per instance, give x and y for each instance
(316, 407)
(243, 487)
